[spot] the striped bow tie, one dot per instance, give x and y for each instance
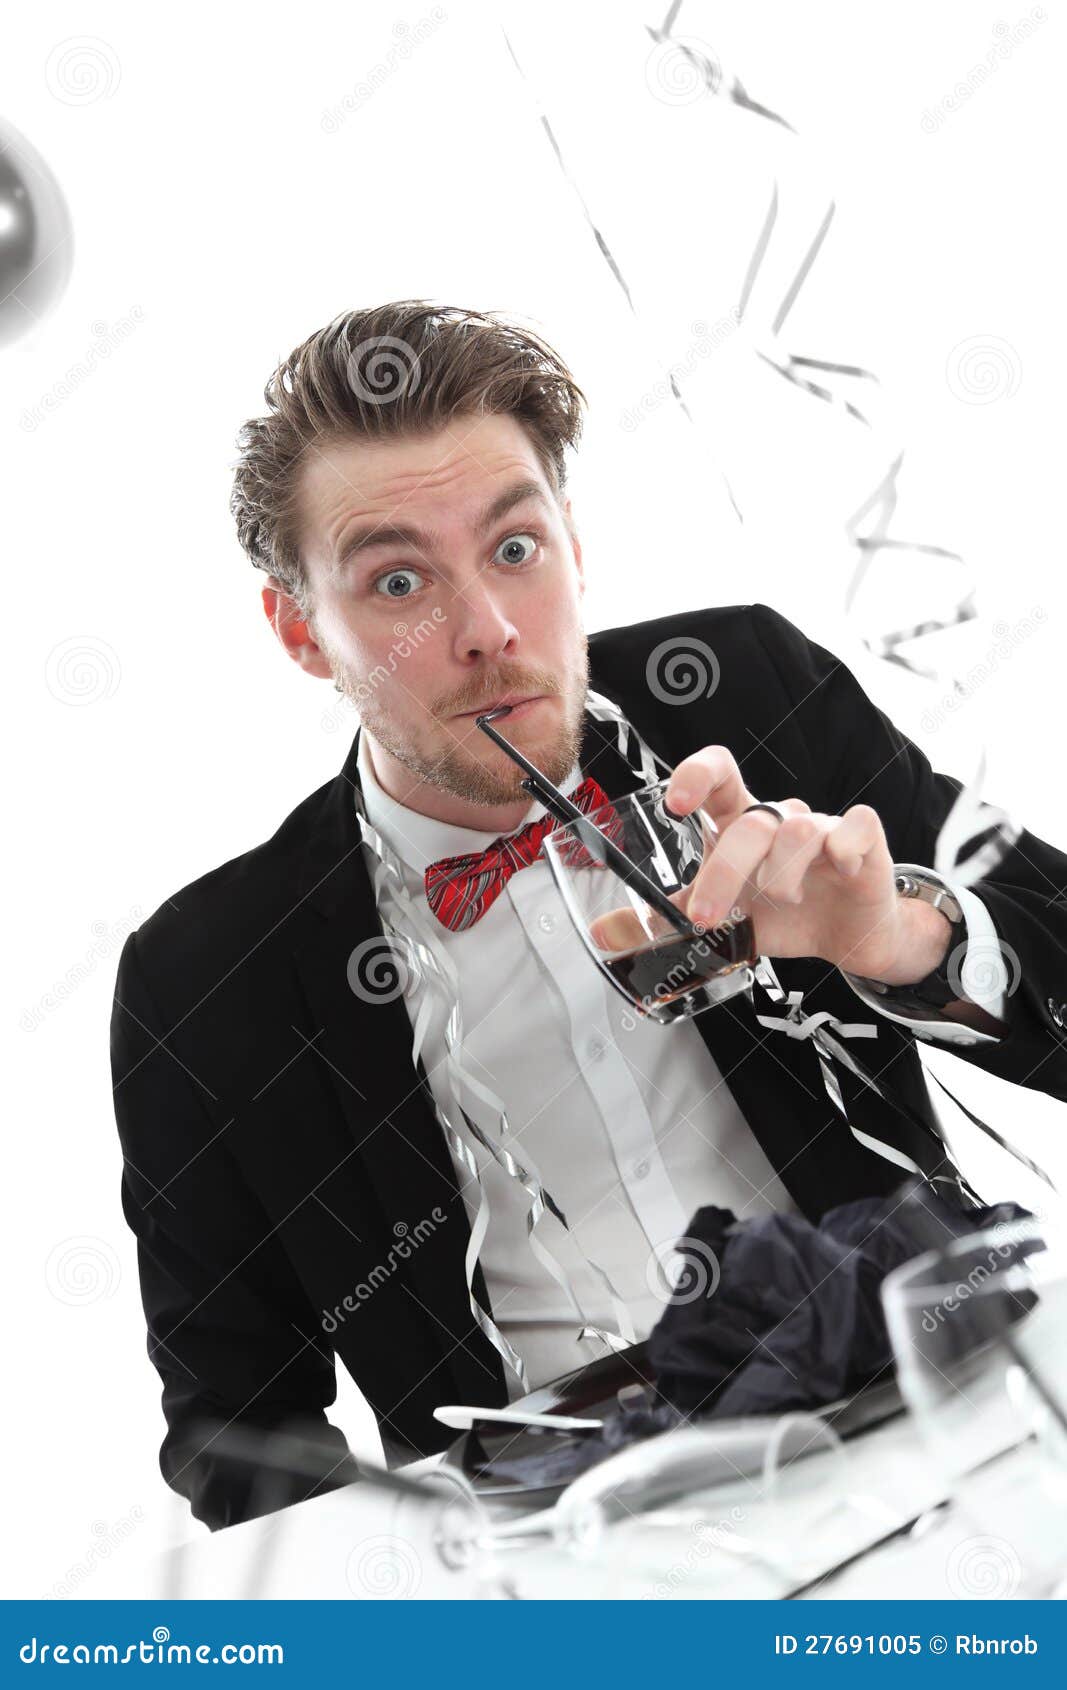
(461, 889)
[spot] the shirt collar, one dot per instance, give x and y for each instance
(420, 840)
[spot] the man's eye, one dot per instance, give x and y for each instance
(514, 541)
(387, 584)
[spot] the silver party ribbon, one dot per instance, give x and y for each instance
(867, 527)
(419, 943)
(415, 937)
(801, 1024)
(797, 1024)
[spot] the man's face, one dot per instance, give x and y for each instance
(423, 631)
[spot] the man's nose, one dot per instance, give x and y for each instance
(481, 625)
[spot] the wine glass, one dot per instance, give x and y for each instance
(979, 1333)
(663, 974)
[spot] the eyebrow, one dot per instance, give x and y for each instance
(380, 534)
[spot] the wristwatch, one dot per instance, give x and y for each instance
(936, 989)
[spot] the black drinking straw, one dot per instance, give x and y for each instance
(540, 787)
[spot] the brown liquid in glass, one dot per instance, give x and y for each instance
(667, 971)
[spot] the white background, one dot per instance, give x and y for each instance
(238, 175)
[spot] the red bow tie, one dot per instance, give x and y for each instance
(461, 889)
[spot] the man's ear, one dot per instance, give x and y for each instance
(293, 630)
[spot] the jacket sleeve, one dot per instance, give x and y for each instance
(230, 1331)
(851, 753)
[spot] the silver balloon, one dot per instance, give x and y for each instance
(36, 238)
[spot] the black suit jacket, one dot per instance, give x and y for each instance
(277, 1139)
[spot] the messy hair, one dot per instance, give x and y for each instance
(405, 368)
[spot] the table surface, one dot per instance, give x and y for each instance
(826, 1540)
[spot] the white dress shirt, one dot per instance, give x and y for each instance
(629, 1121)
(632, 1129)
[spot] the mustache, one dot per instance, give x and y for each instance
(548, 685)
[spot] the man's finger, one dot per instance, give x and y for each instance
(623, 930)
(859, 834)
(738, 854)
(709, 778)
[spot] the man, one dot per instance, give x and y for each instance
(300, 1181)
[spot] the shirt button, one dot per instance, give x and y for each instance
(596, 1048)
(546, 923)
(640, 1170)
(1056, 1010)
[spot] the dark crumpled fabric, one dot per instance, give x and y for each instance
(795, 1321)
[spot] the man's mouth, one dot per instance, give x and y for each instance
(516, 701)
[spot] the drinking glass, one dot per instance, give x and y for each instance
(663, 974)
(979, 1333)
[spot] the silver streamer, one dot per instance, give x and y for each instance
(970, 816)
(412, 932)
(433, 971)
